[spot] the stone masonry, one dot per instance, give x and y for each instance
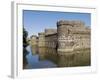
(69, 36)
(72, 35)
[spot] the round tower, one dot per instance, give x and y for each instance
(65, 41)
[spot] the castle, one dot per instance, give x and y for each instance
(69, 36)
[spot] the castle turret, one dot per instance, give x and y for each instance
(71, 35)
(34, 40)
(63, 36)
(41, 41)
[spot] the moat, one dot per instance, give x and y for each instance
(38, 58)
(34, 60)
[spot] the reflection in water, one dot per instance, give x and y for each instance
(52, 54)
(37, 60)
(48, 58)
(25, 52)
(75, 58)
(42, 53)
(34, 50)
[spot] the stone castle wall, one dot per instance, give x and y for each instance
(72, 35)
(50, 31)
(34, 40)
(68, 36)
(50, 38)
(41, 39)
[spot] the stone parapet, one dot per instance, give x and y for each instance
(41, 33)
(72, 23)
(50, 31)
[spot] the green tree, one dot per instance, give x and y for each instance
(25, 34)
(25, 44)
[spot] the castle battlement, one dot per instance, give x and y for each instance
(50, 31)
(41, 33)
(72, 23)
(68, 36)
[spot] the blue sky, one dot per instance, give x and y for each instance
(36, 21)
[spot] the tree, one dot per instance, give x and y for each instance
(25, 34)
(25, 44)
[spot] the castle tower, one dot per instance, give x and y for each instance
(41, 40)
(34, 40)
(63, 36)
(71, 35)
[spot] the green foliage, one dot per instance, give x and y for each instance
(25, 34)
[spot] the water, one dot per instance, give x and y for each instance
(34, 61)
(49, 58)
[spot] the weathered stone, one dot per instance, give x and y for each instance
(34, 40)
(72, 35)
(41, 40)
(68, 36)
(76, 23)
